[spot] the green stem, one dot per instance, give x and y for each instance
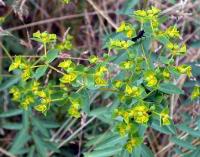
(57, 99)
(45, 49)
(146, 60)
(6, 51)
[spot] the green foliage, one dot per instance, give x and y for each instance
(141, 78)
(141, 87)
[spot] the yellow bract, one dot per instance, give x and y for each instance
(16, 63)
(176, 50)
(127, 29)
(132, 143)
(121, 43)
(118, 84)
(68, 78)
(185, 69)
(66, 44)
(74, 112)
(151, 79)
(165, 118)
(27, 102)
(123, 128)
(93, 59)
(126, 65)
(132, 91)
(41, 94)
(35, 86)
(44, 37)
(65, 64)
(172, 32)
(144, 16)
(195, 93)
(41, 108)
(16, 93)
(140, 113)
(166, 74)
(100, 81)
(26, 73)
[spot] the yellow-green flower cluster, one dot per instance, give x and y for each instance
(184, 69)
(176, 50)
(16, 63)
(101, 71)
(132, 143)
(74, 108)
(121, 44)
(100, 81)
(35, 86)
(164, 116)
(123, 128)
(133, 91)
(148, 15)
(140, 113)
(65, 64)
(118, 84)
(27, 102)
(99, 76)
(19, 63)
(172, 32)
(26, 73)
(68, 78)
(93, 59)
(66, 1)
(66, 45)
(166, 74)
(127, 29)
(41, 108)
(45, 101)
(16, 93)
(195, 93)
(126, 64)
(44, 37)
(2, 19)
(150, 79)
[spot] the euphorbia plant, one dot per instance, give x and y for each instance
(142, 79)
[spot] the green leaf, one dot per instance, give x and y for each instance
(190, 131)
(85, 101)
(31, 151)
(137, 152)
(51, 55)
(165, 60)
(49, 124)
(146, 152)
(98, 111)
(11, 113)
(170, 88)
(40, 72)
(22, 137)
(38, 125)
(12, 126)
(112, 141)
(163, 129)
(40, 146)
(52, 147)
(98, 139)
(20, 140)
(195, 44)
(104, 152)
(128, 7)
(8, 83)
(182, 143)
